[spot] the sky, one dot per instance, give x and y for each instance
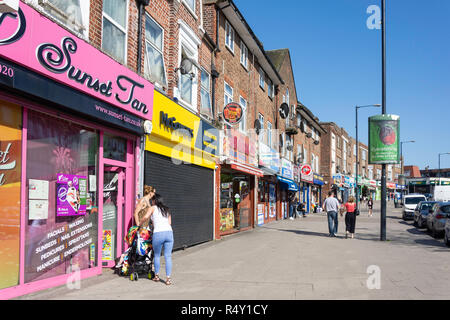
(337, 64)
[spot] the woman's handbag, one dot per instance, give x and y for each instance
(357, 212)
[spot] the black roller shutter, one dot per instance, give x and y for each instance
(188, 192)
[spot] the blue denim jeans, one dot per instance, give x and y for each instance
(332, 222)
(160, 239)
(291, 211)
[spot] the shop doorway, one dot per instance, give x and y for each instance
(113, 211)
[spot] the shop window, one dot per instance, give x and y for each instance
(114, 31)
(10, 178)
(61, 197)
(154, 48)
(114, 148)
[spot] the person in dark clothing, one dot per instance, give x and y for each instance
(350, 217)
(301, 209)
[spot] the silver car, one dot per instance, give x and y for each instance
(447, 233)
(437, 218)
(421, 212)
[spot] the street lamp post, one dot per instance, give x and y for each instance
(357, 148)
(383, 99)
(439, 165)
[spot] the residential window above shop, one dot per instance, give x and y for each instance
(243, 123)
(114, 34)
(229, 36)
(269, 134)
(154, 47)
(244, 55)
(205, 93)
(190, 4)
(261, 77)
(73, 13)
(270, 89)
(261, 132)
(228, 97)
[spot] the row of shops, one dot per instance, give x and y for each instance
(80, 136)
(344, 186)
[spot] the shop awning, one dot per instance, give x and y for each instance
(246, 168)
(291, 185)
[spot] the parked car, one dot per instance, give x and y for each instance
(447, 233)
(421, 212)
(410, 203)
(437, 218)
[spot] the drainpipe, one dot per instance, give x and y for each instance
(141, 4)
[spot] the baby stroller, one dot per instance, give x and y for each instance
(138, 259)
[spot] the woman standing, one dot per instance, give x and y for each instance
(350, 217)
(370, 205)
(162, 235)
(143, 205)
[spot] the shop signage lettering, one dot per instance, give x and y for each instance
(73, 62)
(171, 123)
(5, 163)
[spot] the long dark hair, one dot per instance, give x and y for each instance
(159, 202)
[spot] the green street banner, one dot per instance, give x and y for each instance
(384, 139)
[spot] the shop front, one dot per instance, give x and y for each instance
(180, 159)
(238, 183)
(69, 145)
(307, 180)
(269, 163)
(316, 191)
(287, 186)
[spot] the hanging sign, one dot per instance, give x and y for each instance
(384, 139)
(232, 113)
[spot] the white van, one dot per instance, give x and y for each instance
(410, 202)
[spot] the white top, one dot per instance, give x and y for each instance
(160, 223)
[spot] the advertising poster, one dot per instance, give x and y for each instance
(260, 214)
(10, 174)
(71, 195)
(384, 139)
(107, 252)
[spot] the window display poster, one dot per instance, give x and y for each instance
(71, 195)
(107, 246)
(38, 189)
(38, 209)
(10, 175)
(260, 214)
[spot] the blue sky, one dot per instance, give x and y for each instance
(337, 64)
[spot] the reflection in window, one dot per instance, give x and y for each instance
(154, 59)
(114, 28)
(114, 148)
(67, 11)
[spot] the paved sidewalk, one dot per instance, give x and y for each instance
(292, 260)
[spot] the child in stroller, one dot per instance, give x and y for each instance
(138, 258)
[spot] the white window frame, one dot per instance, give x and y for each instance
(261, 132)
(189, 40)
(269, 134)
(243, 123)
(204, 88)
(270, 88)
(162, 52)
(261, 78)
(244, 55)
(226, 95)
(229, 31)
(111, 20)
(190, 9)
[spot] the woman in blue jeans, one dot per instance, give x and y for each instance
(162, 235)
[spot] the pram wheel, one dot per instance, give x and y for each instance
(134, 276)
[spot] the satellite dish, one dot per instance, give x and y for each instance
(186, 66)
(284, 110)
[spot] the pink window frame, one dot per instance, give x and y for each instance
(131, 175)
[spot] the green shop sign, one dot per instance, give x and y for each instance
(384, 139)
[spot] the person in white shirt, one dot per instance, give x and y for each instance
(162, 235)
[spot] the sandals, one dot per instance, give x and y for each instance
(168, 281)
(156, 278)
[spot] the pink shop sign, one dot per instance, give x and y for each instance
(33, 41)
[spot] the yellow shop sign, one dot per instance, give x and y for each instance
(181, 135)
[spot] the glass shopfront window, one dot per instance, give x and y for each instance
(114, 148)
(61, 197)
(10, 178)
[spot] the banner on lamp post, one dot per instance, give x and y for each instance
(384, 139)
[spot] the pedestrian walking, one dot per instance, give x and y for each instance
(350, 217)
(331, 206)
(292, 203)
(162, 236)
(370, 206)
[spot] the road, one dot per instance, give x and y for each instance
(292, 260)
